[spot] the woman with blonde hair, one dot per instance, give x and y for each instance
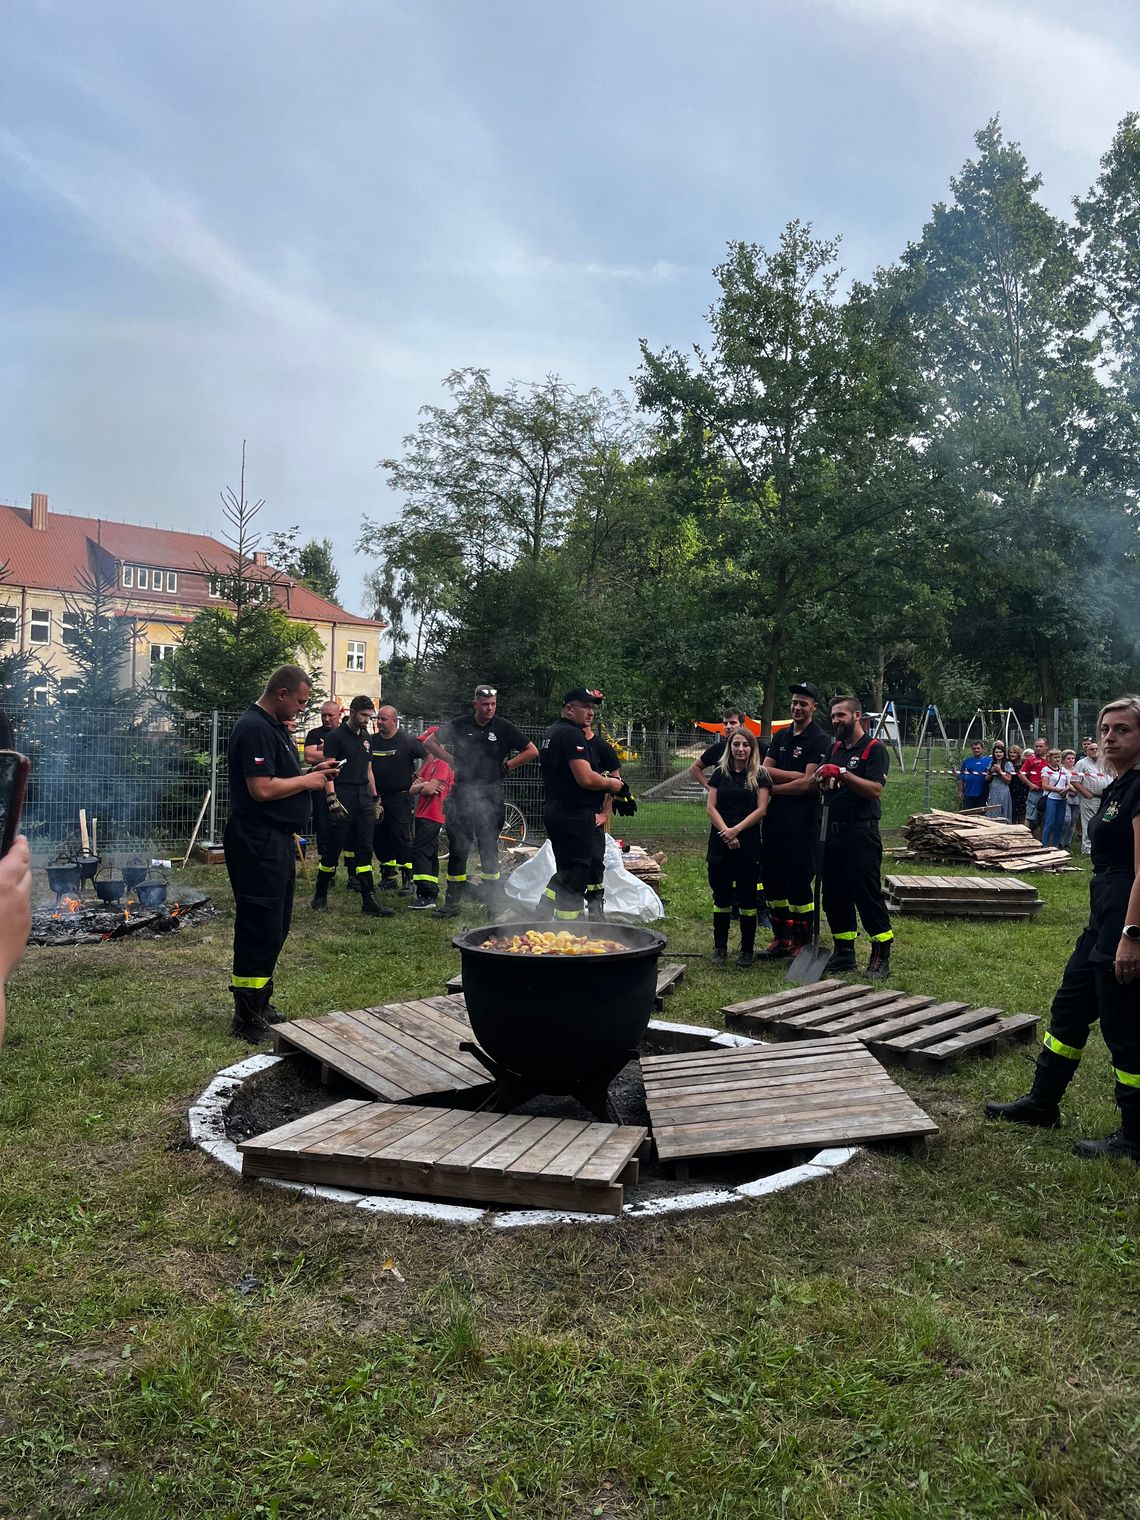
(1102, 978)
(738, 794)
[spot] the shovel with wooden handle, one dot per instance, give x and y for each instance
(807, 967)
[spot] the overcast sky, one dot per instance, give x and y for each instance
(288, 220)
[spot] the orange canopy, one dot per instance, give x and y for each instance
(750, 724)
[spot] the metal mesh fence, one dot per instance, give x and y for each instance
(145, 778)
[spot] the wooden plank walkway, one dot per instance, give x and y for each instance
(526, 1162)
(918, 1032)
(397, 1051)
(962, 896)
(669, 977)
(776, 1097)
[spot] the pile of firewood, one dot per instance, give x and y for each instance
(645, 866)
(978, 841)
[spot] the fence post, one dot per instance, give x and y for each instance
(1077, 724)
(926, 779)
(214, 776)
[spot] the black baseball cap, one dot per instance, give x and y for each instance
(583, 694)
(806, 689)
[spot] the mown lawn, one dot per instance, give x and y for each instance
(949, 1336)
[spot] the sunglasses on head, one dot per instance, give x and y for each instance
(486, 691)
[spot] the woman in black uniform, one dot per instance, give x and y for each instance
(738, 795)
(1102, 979)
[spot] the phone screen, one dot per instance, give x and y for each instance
(13, 778)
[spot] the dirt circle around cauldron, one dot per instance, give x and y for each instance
(266, 1091)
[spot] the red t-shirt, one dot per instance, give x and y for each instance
(431, 808)
(1031, 768)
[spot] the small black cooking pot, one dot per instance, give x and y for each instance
(87, 865)
(63, 878)
(151, 894)
(110, 889)
(560, 1021)
(133, 872)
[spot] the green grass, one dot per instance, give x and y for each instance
(948, 1336)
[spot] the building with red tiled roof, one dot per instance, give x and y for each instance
(163, 579)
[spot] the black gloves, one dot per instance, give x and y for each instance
(625, 803)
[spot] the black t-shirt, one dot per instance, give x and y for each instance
(867, 758)
(790, 751)
(480, 749)
(562, 743)
(603, 756)
(1110, 832)
(260, 746)
(712, 755)
(394, 761)
(354, 749)
(318, 736)
(734, 798)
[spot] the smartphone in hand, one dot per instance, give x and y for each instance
(13, 785)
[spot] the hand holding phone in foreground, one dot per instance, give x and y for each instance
(15, 910)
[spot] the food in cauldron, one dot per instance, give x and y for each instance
(535, 942)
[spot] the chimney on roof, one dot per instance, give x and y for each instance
(39, 511)
(259, 556)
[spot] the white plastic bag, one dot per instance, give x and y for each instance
(624, 893)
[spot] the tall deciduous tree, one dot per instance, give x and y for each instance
(794, 429)
(1003, 314)
(310, 563)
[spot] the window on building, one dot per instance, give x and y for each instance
(171, 581)
(69, 688)
(69, 628)
(9, 624)
(128, 575)
(160, 652)
(156, 580)
(40, 632)
(356, 648)
(41, 696)
(142, 578)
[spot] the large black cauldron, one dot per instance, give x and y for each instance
(560, 1023)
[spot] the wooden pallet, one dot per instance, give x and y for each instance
(962, 896)
(918, 1032)
(452, 1153)
(669, 978)
(776, 1097)
(398, 1051)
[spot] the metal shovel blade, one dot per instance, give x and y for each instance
(808, 965)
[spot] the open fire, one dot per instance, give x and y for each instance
(124, 905)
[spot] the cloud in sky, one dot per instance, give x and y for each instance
(288, 222)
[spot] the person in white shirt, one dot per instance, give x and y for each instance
(1055, 780)
(1090, 779)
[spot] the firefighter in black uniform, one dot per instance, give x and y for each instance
(737, 802)
(574, 788)
(481, 748)
(351, 800)
(1102, 978)
(395, 755)
(605, 760)
(314, 754)
(791, 826)
(269, 804)
(852, 780)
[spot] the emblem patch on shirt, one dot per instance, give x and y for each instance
(1110, 812)
(797, 752)
(259, 759)
(490, 738)
(853, 762)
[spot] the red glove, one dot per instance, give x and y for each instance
(828, 774)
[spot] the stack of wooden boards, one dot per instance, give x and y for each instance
(962, 897)
(978, 841)
(645, 866)
(918, 1032)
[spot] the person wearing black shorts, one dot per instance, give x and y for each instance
(791, 825)
(1102, 978)
(482, 748)
(351, 800)
(269, 804)
(574, 788)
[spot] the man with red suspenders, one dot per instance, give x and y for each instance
(852, 781)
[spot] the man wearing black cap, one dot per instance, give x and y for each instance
(482, 749)
(351, 801)
(573, 791)
(792, 823)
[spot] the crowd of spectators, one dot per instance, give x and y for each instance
(1050, 790)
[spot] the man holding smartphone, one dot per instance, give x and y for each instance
(269, 804)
